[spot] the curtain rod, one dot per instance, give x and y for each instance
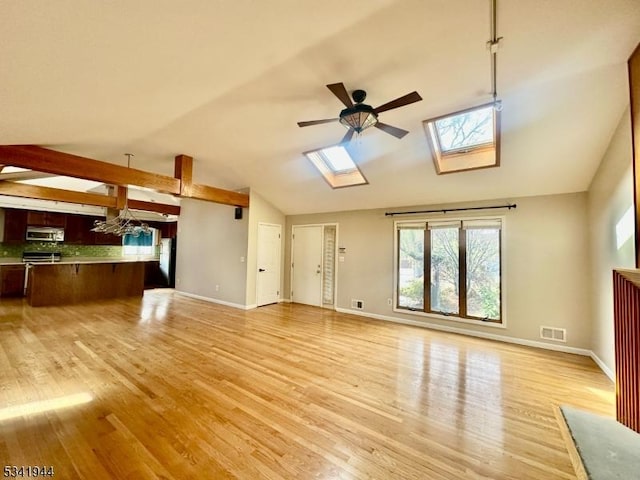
(446, 210)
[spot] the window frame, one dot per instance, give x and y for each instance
(336, 178)
(462, 315)
(439, 155)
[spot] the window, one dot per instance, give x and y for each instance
(465, 140)
(143, 244)
(336, 166)
(462, 260)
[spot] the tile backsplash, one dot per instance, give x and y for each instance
(67, 250)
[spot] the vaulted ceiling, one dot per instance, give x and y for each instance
(225, 81)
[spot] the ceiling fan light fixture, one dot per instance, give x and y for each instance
(358, 117)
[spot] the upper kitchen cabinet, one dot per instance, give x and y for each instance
(15, 225)
(46, 219)
(78, 230)
(103, 238)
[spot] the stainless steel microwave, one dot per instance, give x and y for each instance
(45, 234)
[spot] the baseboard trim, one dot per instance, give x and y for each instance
(284, 300)
(215, 300)
(472, 333)
(607, 371)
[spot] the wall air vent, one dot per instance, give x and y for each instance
(357, 304)
(553, 333)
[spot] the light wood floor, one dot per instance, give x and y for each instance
(179, 389)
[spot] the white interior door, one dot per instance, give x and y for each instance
(268, 276)
(306, 268)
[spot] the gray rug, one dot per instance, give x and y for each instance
(608, 449)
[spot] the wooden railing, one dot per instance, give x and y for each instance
(626, 304)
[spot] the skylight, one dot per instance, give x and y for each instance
(466, 130)
(338, 159)
(336, 166)
(465, 140)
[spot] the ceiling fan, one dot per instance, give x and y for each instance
(359, 116)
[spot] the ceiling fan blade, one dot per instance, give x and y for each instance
(339, 90)
(347, 136)
(395, 131)
(399, 102)
(317, 122)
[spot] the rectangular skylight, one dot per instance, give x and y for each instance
(465, 140)
(338, 159)
(466, 130)
(336, 166)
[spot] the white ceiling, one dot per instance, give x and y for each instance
(225, 81)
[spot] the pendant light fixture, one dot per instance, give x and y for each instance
(125, 223)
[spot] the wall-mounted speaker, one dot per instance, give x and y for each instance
(238, 213)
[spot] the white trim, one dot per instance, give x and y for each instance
(607, 371)
(449, 318)
(284, 300)
(215, 300)
(472, 333)
(335, 260)
(280, 273)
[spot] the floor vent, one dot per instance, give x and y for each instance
(357, 304)
(552, 333)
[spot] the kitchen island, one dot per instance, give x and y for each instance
(71, 282)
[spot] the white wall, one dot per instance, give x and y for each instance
(546, 272)
(610, 196)
(260, 211)
(212, 251)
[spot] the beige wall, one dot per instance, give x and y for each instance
(260, 211)
(546, 266)
(212, 250)
(610, 196)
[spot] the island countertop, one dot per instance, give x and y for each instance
(81, 260)
(71, 282)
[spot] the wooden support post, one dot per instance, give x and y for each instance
(183, 169)
(121, 196)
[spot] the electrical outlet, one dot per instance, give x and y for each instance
(217, 288)
(389, 302)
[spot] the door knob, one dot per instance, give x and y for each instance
(261, 270)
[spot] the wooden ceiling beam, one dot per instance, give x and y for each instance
(162, 208)
(183, 170)
(59, 163)
(26, 175)
(218, 195)
(66, 164)
(14, 189)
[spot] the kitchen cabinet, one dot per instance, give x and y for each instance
(46, 219)
(70, 283)
(153, 277)
(15, 225)
(78, 230)
(103, 238)
(12, 280)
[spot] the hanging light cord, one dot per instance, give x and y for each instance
(493, 45)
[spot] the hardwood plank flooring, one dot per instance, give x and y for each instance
(175, 388)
